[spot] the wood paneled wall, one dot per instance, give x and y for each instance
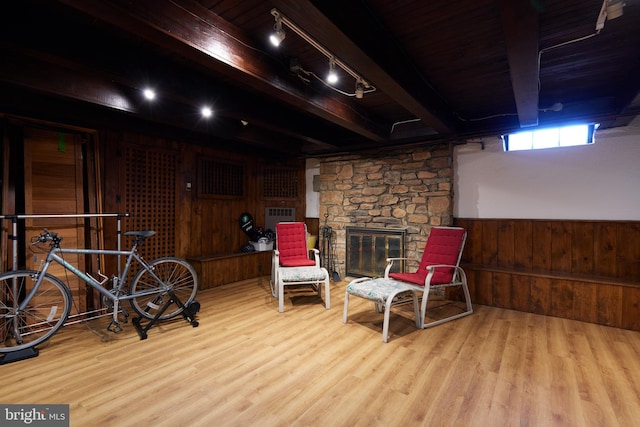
(218, 270)
(156, 180)
(583, 270)
(204, 225)
(207, 229)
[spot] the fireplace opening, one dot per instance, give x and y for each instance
(367, 250)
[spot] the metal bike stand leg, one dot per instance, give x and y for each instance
(15, 356)
(187, 312)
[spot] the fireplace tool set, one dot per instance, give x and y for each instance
(327, 249)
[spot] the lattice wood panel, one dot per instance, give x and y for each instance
(220, 179)
(150, 198)
(280, 183)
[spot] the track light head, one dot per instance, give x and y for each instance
(278, 34)
(611, 9)
(359, 89)
(277, 37)
(332, 77)
(615, 9)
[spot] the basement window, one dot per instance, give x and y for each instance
(565, 136)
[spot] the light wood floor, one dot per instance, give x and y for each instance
(248, 365)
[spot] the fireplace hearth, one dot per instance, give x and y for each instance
(367, 250)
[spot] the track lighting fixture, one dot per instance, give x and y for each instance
(359, 92)
(278, 32)
(611, 9)
(332, 78)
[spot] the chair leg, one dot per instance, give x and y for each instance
(346, 307)
(280, 296)
(416, 311)
(423, 308)
(387, 313)
(385, 323)
(327, 293)
(379, 307)
(446, 319)
(467, 296)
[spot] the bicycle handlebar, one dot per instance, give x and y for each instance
(47, 236)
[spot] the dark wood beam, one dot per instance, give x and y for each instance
(373, 54)
(190, 31)
(65, 80)
(520, 24)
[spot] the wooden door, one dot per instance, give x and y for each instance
(54, 185)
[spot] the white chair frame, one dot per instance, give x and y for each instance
(384, 292)
(314, 276)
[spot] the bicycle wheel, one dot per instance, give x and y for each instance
(43, 316)
(176, 273)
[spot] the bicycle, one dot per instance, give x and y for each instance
(34, 304)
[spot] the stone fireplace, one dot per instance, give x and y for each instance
(367, 250)
(407, 188)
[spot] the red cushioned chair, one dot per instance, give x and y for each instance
(292, 265)
(439, 267)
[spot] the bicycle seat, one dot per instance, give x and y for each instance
(143, 233)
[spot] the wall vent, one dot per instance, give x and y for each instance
(272, 216)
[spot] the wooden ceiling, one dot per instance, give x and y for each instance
(437, 70)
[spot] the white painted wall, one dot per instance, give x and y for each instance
(313, 197)
(600, 181)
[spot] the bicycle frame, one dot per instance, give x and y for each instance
(116, 297)
(157, 290)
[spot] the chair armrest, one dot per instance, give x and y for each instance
(433, 267)
(458, 273)
(390, 264)
(316, 255)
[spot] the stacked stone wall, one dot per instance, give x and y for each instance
(409, 188)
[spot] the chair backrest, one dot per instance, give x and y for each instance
(444, 246)
(291, 242)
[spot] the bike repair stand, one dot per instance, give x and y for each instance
(14, 356)
(187, 312)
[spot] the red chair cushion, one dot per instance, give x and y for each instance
(443, 247)
(291, 240)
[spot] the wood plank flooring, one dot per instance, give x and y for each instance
(248, 365)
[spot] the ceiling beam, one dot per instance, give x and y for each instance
(371, 53)
(64, 79)
(192, 32)
(520, 24)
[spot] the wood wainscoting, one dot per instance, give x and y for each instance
(221, 269)
(582, 270)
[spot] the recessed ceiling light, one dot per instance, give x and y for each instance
(206, 112)
(149, 94)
